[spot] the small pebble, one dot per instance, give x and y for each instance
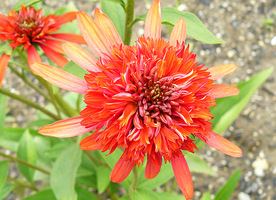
(243, 196)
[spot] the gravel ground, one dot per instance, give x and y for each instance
(251, 46)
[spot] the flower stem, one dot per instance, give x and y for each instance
(21, 183)
(24, 163)
(129, 18)
(134, 181)
(66, 108)
(28, 102)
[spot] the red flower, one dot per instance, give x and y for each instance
(30, 27)
(147, 99)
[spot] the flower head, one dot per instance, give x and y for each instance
(149, 99)
(29, 27)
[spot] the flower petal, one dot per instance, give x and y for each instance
(153, 21)
(89, 144)
(56, 45)
(219, 91)
(4, 60)
(178, 33)
(57, 58)
(153, 167)
(59, 78)
(33, 56)
(107, 27)
(222, 144)
(183, 176)
(121, 170)
(92, 34)
(67, 17)
(70, 37)
(81, 56)
(65, 128)
(221, 71)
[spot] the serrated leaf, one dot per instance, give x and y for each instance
(6, 190)
(228, 188)
(206, 196)
(27, 152)
(117, 14)
(169, 196)
(3, 104)
(63, 174)
(26, 3)
(4, 169)
(195, 28)
(103, 178)
(41, 195)
(144, 194)
(84, 194)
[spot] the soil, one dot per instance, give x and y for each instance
(252, 47)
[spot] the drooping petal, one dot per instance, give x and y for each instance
(121, 170)
(59, 78)
(152, 167)
(178, 32)
(56, 45)
(4, 60)
(219, 91)
(89, 144)
(65, 128)
(67, 17)
(221, 71)
(92, 34)
(81, 56)
(57, 58)
(107, 27)
(70, 37)
(153, 21)
(33, 56)
(183, 176)
(222, 144)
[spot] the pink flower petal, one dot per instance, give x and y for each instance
(221, 71)
(219, 91)
(153, 21)
(178, 33)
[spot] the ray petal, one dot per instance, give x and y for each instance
(56, 57)
(178, 33)
(221, 71)
(59, 78)
(67, 17)
(153, 21)
(153, 167)
(70, 37)
(33, 56)
(56, 45)
(89, 144)
(121, 170)
(4, 60)
(183, 176)
(219, 91)
(81, 56)
(65, 128)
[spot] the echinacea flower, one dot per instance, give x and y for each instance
(148, 99)
(29, 27)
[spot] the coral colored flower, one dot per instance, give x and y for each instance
(147, 99)
(29, 27)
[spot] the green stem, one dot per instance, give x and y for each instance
(28, 102)
(23, 55)
(30, 83)
(173, 186)
(112, 195)
(24, 163)
(129, 18)
(67, 109)
(134, 181)
(21, 183)
(79, 100)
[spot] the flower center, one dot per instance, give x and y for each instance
(27, 23)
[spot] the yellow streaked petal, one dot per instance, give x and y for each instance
(219, 91)
(153, 21)
(92, 34)
(59, 78)
(221, 71)
(178, 32)
(107, 27)
(81, 56)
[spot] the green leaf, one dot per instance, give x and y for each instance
(117, 14)
(103, 178)
(40, 122)
(195, 28)
(27, 152)
(206, 196)
(5, 48)
(3, 104)
(144, 194)
(228, 188)
(62, 180)
(41, 195)
(43, 144)
(197, 165)
(26, 3)
(74, 69)
(84, 194)
(4, 169)
(6, 190)
(169, 196)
